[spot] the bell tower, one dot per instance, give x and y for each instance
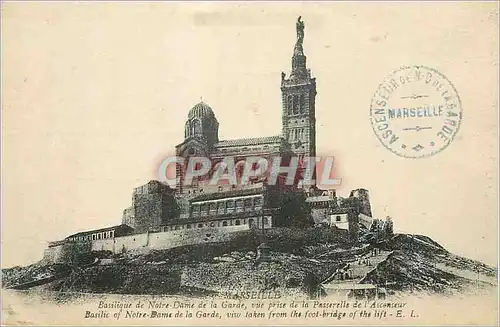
(298, 95)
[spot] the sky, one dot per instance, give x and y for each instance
(95, 95)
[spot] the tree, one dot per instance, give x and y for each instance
(294, 210)
(388, 227)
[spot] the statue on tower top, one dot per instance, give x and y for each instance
(300, 31)
(300, 36)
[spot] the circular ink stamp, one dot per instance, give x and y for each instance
(416, 112)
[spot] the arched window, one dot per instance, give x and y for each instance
(186, 130)
(224, 223)
(290, 104)
(264, 220)
(191, 129)
(196, 127)
(302, 104)
(295, 104)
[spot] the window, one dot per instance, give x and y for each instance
(212, 225)
(248, 205)
(295, 104)
(239, 205)
(196, 210)
(188, 226)
(213, 208)
(250, 223)
(290, 105)
(258, 203)
(224, 223)
(221, 207)
(302, 104)
(237, 222)
(338, 218)
(200, 225)
(264, 221)
(230, 206)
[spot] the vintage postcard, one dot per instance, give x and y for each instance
(231, 163)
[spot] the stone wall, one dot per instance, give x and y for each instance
(153, 205)
(166, 240)
(66, 252)
(153, 240)
(103, 245)
(130, 242)
(128, 217)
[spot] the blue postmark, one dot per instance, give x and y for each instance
(416, 112)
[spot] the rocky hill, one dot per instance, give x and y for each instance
(413, 263)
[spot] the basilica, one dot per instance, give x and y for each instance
(298, 132)
(201, 139)
(161, 216)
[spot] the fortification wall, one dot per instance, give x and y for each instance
(66, 252)
(103, 245)
(152, 240)
(53, 255)
(166, 240)
(129, 242)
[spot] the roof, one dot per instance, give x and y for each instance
(201, 110)
(249, 141)
(122, 227)
(227, 194)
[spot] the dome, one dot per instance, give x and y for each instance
(201, 110)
